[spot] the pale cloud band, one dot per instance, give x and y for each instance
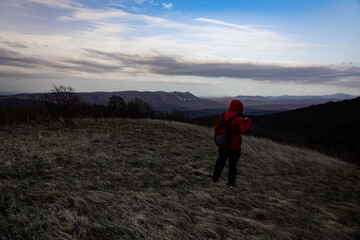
(11, 58)
(67, 4)
(217, 22)
(100, 62)
(266, 72)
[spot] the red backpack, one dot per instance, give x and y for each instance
(223, 134)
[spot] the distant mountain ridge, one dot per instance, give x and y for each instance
(160, 100)
(273, 104)
(183, 101)
(8, 93)
(189, 103)
(340, 96)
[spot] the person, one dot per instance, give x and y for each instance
(239, 125)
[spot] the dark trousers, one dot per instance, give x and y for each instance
(233, 157)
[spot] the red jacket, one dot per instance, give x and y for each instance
(238, 125)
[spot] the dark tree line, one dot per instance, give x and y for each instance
(332, 128)
(64, 104)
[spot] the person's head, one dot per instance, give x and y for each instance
(236, 106)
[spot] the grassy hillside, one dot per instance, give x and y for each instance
(150, 179)
(332, 128)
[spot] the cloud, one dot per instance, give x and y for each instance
(258, 71)
(12, 3)
(117, 5)
(12, 58)
(84, 14)
(204, 36)
(14, 44)
(167, 5)
(57, 3)
(109, 15)
(213, 38)
(198, 50)
(15, 59)
(149, 1)
(8, 74)
(250, 28)
(108, 65)
(218, 22)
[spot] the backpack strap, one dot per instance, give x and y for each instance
(230, 119)
(228, 124)
(233, 117)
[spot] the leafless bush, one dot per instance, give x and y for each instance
(62, 97)
(117, 105)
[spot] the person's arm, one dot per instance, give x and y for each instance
(245, 125)
(217, 122)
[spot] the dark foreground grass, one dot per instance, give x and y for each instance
(150, 179)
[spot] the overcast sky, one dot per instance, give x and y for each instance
(206, 47)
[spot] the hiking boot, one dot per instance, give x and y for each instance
(215, 181)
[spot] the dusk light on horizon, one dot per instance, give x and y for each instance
(208, 48)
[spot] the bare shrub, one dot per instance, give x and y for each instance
(117, 105)
(62, 97)
(62, 102)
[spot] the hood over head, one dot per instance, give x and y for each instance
(236, 106)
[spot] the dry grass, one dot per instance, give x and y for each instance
(150, 179)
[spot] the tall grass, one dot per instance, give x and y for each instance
(150, 179)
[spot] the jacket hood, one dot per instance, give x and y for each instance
(236, 106)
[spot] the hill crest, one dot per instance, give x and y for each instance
(135, 179)
(332, 127)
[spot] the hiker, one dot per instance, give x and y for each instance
(229, 140)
